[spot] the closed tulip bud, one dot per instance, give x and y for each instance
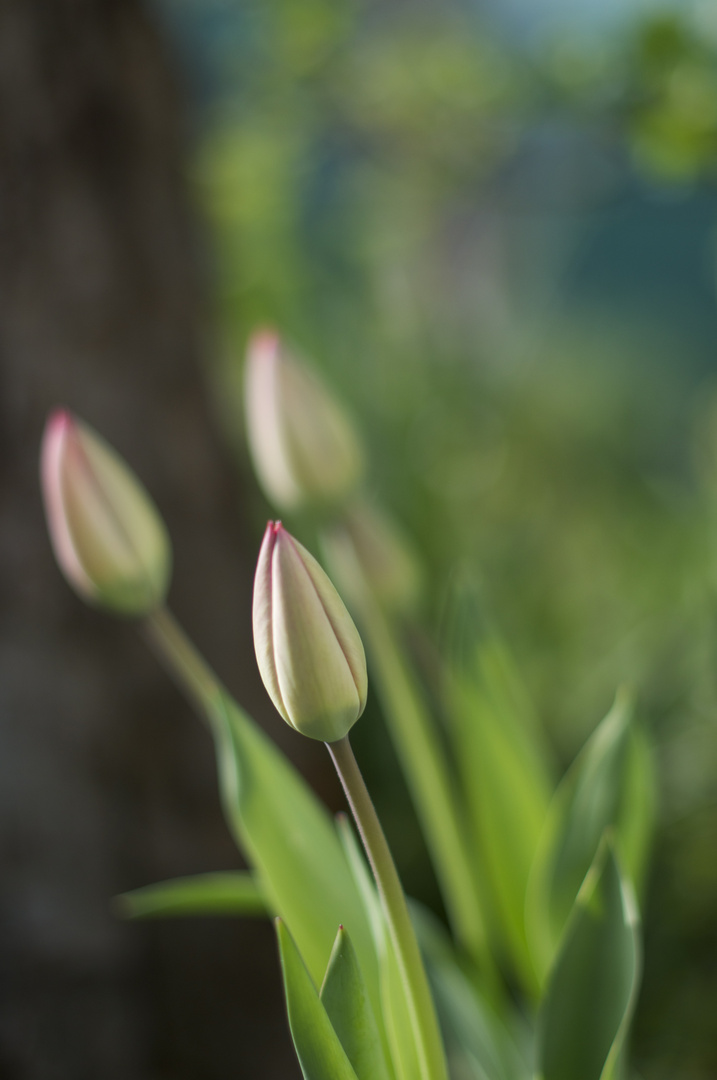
(107, 536)
(309, 652)
(382, 554)
(303, 446)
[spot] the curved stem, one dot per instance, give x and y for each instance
(423, 1016)
(181, 659)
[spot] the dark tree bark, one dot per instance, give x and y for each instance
(106, 780)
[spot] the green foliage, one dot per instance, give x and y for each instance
(364, 175)
(478, 1043)
(289, 839)
(592, 987)
(230, 893)
(507, 788)
(420, 750)
(394, 1007)
(607, 788)
(349, 1009)
(320, 1053)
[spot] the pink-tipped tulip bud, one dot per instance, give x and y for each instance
(309, 652)
(107, 536)
(303, 446)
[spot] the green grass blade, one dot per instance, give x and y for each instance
(347, 1004)
(231, 893)
(593, 985)
(317, 1045)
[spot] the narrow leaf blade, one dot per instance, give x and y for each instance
(508, 792)
(289, 839)
(317, 1045)
(609, 785)
(477, 1043)
(235, 893)
(593, 984)
(347, 1004)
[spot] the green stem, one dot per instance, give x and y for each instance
(181, 659)
(423, 1016)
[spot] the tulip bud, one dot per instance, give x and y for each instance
(108, 538)
(309, 652)
(382, 555)
(303, 446)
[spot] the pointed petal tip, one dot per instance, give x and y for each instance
(263, 341)
(59, 417)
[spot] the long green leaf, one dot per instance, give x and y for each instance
(394, 1007)
(593, 985)
(636, 817)
(477, 1043)
(507, 787)
(289, 839)
(234, 893)
(318, 1048)
(346, 1001)
(423, 759)
(608, 785)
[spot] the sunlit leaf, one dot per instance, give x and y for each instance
(592, 987)
(608, 785)
(394, 1007)
(347, 1004)
(289, 840)
(318, 1049)
(231, 893)
(429, 776)
(507, 788)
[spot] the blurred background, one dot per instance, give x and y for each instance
(492, 226)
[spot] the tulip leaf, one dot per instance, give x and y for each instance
(636, 818)
(394, 1006)
(346, 1001)
(593, 984)
(419, 748)
(608, 785)
(289, 840)
(507, 787)
(317, 1045)
(235, 893)
(477, 1043)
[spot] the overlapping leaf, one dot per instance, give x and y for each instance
(400, 1036)
(478, 1044)
(507, 787)
(346, 1000)
(608, 786)
(593, 984)
(318, 1048)
(289, 840)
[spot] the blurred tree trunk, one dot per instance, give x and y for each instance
(106, 781)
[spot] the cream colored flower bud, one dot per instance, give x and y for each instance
(309, 652)
(303, 446)
(388, 563)
(107, 536)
